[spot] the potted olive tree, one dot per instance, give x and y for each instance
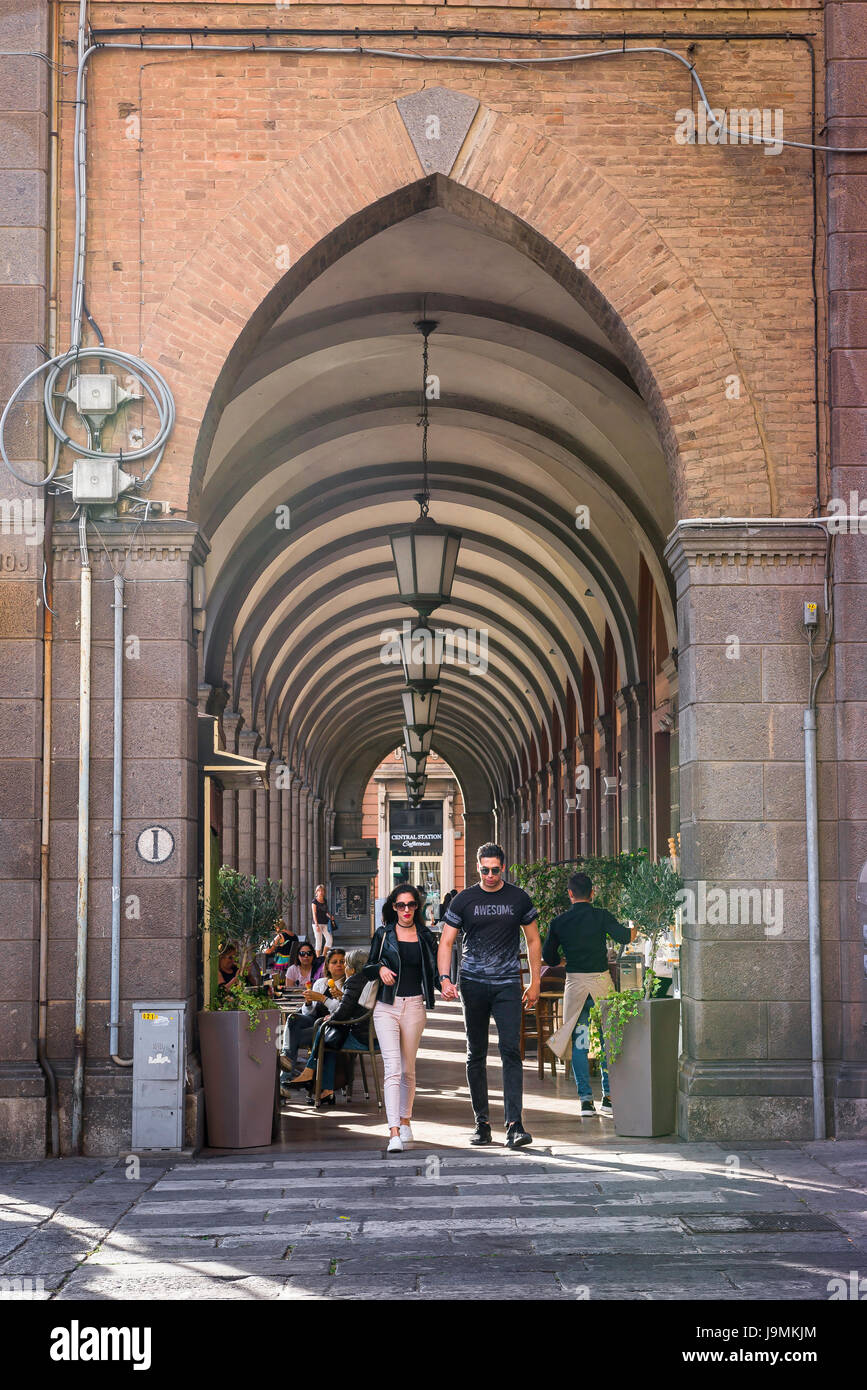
(238, 1034)
(641, 1031)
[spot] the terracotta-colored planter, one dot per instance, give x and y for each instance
(239, 1068)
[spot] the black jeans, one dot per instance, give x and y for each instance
(481, 1000)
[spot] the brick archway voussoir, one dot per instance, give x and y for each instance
(634, 286)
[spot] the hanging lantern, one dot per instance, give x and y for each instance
(414, 764)
(420, 655)
(417, 739)
(419, 706)
(425, 558)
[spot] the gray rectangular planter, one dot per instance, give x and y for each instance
(239, 1068)
(644, 1077)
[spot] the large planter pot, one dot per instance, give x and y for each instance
(644, 1077)
(239, 1068)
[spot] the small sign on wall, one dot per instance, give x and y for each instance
(155, 845)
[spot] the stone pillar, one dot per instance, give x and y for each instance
(25, 121)
(232, 724)
(318, 873)
(382, 836)
(263, 829)
(160, 784)
(285, 791)
(304, 851)
(275, 821)
(743, 687)
(604, 726)
(448, 861)
(248, 742)
(479, 827)
(846, 46)
(635, 767)
(299, 923)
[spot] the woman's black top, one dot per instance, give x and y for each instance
(320, 912)
(410, 969)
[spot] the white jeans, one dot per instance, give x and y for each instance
(323, 938)
(399, 1027)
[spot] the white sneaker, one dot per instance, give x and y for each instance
(406, 1134)
(395, 1145)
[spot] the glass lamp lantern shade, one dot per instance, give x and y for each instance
(417, 739)
(415, 790)
(420, 706)
(414, 763)
(425, 557)
(420, 654)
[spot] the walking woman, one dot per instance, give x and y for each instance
(403, 954)
(322, 938)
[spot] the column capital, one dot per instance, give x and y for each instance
(744, 548)
(248, 742)
(159, 542)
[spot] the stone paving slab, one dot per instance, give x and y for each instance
(639, 1222)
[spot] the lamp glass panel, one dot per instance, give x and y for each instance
(418, 653)
(420, 706)
(417, 738)
(402, 551)
(429, 556)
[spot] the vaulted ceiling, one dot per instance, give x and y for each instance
(537, 418)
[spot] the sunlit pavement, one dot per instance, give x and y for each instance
(583, 1214)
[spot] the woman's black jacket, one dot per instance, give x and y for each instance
(349, 1014)
(384, 951)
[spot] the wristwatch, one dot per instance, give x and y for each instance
(445, 977)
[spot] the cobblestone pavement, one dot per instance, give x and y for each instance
(562, 1222)
(324, 1214)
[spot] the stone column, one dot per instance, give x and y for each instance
(25, 121)
(846, 46)
(159, 932)
(248, 743)
(299, 923)
(382, 835)
(604, 726)
(743, 666)
(306, 865)
(318, 875)
(263, 829)
(232, 722)
(285, 780)
(448, 860)
(275, 821)
(635, 767)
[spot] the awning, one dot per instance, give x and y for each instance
(229, 769)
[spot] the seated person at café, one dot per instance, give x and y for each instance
(351, 1019)
(318, 1003)
(305, 968)
(284, 949)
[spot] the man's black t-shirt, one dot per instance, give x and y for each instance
(581, 935)
(490, 924)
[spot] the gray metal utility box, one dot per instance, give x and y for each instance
(159, 1053)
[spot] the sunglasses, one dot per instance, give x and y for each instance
(304, 953)
(490, 872)
(405, 907)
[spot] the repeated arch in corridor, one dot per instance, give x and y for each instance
(538, 416)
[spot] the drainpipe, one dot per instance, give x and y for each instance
(83, 838)
(814, 928)
(116, 832)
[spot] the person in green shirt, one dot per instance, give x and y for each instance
(582, 933)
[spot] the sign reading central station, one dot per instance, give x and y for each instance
(415, 829)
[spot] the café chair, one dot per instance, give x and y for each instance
(353, 1050)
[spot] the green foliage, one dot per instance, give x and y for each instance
(546, 883)
(609, 1016)
(239, 998)
(245, 913)
(650, 899)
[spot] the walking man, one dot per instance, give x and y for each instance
(582, 934)
(491, 916)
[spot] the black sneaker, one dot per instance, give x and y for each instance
(587, 1108)
(517, 1137)
(606, 1108)
(481, 1134)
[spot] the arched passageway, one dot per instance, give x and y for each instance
(542, 454)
